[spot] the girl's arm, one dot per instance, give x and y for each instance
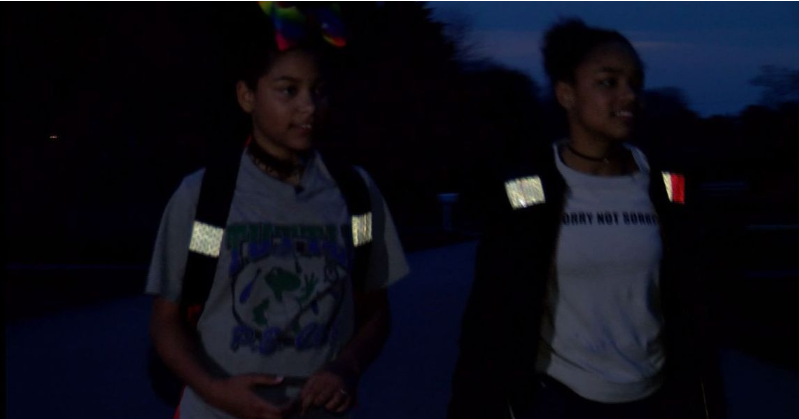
(177, 346)
(334, 386)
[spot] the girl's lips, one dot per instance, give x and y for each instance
(308, 127)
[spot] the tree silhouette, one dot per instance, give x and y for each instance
(780, 85)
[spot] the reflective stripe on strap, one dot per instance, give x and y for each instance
(206, 239)
(510, 411)
(361, 229)
(675, 187)
(525, 192)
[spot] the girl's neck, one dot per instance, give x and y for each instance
(597, 158)
(287, 169)
(278, 152)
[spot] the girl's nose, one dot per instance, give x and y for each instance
(308, 103)
(630, 92)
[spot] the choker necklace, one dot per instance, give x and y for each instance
(272, 165)
(606, 159)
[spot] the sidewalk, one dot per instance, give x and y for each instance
(89, 362)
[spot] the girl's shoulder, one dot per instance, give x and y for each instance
(192, 182)
(188, 192)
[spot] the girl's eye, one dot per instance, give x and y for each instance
(288, 90)
(607, 82)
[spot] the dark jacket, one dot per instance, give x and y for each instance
(500, 328)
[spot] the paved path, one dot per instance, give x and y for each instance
(89, 362)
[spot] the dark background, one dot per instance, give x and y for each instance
(107, 106)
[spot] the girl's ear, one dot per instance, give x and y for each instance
(245, 96)
(564, 92)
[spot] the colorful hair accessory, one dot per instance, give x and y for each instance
(292, 23)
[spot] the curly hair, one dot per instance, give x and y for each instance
(251, 46)
(567, 44)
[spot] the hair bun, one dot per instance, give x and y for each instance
(568, 42)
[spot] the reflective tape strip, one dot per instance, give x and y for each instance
(361, 229)
(675, 187)
(206, 239)
(667, 184)
(525, 192)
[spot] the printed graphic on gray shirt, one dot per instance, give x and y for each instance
(287, 284)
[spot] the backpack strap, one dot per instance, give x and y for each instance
(213, 207)
(356, 195)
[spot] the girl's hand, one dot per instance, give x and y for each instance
(332, 388)
(235, 395)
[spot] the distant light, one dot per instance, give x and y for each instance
(53, 137)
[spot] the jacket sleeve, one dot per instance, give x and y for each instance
(480, 381)
(706, 330)
(695, 357)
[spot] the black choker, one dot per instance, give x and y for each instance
(273, 165)
(606, 159)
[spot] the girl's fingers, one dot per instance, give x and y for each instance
(336, 401)
(344, 406)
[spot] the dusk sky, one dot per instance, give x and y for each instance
(710, 50)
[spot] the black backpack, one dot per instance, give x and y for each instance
(213, 207)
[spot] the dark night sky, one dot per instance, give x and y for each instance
(132, 91)
(152, 66)
(708, 49)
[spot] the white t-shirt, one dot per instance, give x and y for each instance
(281, 302)
(601, 335)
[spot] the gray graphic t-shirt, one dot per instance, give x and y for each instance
(281, 302)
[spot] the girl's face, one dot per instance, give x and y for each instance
(604, 100)
(287, 104)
